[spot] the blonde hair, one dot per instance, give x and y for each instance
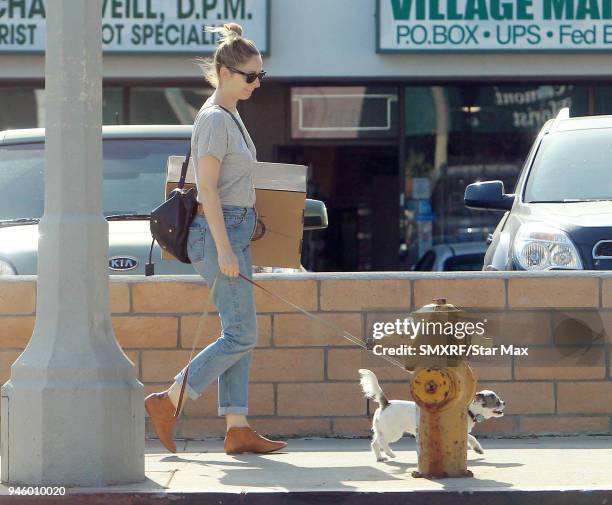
(233, 50)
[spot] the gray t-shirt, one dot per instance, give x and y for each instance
(216, 133)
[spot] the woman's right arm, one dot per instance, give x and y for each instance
(208, 177)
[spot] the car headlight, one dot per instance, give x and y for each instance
(6, 269)
(541, 247)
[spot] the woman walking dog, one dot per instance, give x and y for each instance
(219, 245)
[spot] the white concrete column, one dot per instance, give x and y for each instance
(72, 411)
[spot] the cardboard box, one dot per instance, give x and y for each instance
(280, 193)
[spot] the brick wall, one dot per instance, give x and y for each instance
(304, 376)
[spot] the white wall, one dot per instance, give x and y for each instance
(336, 38)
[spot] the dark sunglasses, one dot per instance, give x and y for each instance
(250, 76)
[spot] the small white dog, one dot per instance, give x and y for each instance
(393, 418)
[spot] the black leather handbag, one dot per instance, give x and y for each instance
(170, 221)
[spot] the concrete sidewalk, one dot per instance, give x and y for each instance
(578, 469)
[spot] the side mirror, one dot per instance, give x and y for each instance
(315, 215)
(488, 195)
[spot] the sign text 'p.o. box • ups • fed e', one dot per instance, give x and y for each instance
(280, 193)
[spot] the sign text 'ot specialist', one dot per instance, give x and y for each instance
(495, 25)
(137, 26)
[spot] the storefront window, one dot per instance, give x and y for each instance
(25, 107)
(166, 105)
(21, 108)
(603, 99)
(343, 112)
(112, 106)
(459, 135)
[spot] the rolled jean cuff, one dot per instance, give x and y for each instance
(232, 409)
(193, 394)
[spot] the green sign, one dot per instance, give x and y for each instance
(142, 26)
(494, 25)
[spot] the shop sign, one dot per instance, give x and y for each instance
(494, 25)
(142, 26)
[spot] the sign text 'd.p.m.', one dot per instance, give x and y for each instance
(142, 26)
(494, 25)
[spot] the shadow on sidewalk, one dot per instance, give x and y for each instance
(253, 470)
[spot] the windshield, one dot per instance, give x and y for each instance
(572, 166)
(134, 176)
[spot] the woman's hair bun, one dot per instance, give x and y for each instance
(233, 28)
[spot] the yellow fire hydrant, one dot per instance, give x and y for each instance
(443, 388)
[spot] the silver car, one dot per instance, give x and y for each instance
(134, 180)
(460, 256)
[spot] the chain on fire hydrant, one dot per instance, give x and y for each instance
(443, 388)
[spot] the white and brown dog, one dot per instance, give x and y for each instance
(393, 418)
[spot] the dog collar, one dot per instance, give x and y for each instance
(477, 418)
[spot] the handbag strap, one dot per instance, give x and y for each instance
(184, 168)
(181, 183)
(237, 124)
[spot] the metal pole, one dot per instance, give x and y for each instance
(72, 411)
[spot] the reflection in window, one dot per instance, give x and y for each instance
(462, 134)
(426, 263)
(572, 165)
(166, 105)
(25, 107)
(602, 99)
(22, 166)
(112, 106)
(134, 176)
(466, 262)
(21, 108)
(343, 112)
(135, 173)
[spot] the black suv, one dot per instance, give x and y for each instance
(560, 215)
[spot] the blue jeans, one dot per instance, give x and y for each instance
(229, 357)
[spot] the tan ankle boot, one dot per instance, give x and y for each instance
(161, 411)
(246, 439)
